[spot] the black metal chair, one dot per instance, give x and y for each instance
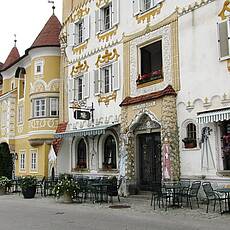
(192, 192)
(40, 186)
(113, 188)
(159, 194)
(212, 195)
(183, 191)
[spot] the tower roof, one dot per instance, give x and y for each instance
(12, 58)
(49, 35)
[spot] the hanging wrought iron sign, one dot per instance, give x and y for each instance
(81, 115)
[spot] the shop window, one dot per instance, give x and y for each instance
(151, 63)
(81, 155)
(190, 141)
(226, 146)
(110, 161)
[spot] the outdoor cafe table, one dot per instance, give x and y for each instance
(226, 191)
(101, 188)
(174, 188)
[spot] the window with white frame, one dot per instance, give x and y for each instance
(38, 67)
(141, 6)
(20, 114)
(107, 79)
(107, 16)
(44, 107)
(79, 31)
(54, 106)
(224, 39)
(22, 161)
(33, 160)
(79, 88)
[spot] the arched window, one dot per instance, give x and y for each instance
(81, 154)
(110, 160)
(190, 140)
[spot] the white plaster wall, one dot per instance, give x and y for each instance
(202, 75)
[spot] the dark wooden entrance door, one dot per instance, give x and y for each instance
(149, 160)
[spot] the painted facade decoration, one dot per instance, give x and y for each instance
(29, 101)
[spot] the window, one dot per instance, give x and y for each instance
(78, 88)
(12, 84)
(22, 161)
(38, 67)
(140, 6)
(39, 107)
(110, 153)
(190, 140)
(81, 154)
(151, 63)
(54, 106)
(20, 114)
(45, 107)
(224, 39)
(107, 17)
(33, 160)
(79, 32)
(107, 79)
(106, 74)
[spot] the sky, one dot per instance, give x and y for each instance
(25, 18)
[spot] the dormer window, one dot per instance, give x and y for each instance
(38, 67)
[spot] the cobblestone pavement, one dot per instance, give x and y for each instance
(47, 213)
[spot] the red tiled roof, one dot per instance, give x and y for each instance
(58, 141)
(12, 58)
(49, 35)
(147, 97)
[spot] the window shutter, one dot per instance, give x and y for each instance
(86, 27)
(115, 12)
(71, 35)
(97, 21)
(224, 39)
(97, 84)
(136, 7)
(86, 85)
(155, 2)
(116, 75)
(71, 89)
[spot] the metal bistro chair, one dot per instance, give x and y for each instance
(113, 189)
(192, 192)
(159, 194)
(212, 195)
(183, 191)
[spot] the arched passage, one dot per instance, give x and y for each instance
(6, 162)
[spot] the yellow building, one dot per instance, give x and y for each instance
(29, 100)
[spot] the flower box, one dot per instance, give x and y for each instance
(155, 75)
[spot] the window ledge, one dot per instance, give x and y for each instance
(190, 149)
(105, 35)
(80, 47)
(51, 117)
(223, 172)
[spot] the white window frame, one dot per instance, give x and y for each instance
(103, 80)
(22, 161)
(40, 111)
(38, 63)
(76, 88)
(34, 160)
(20, 114)
(79, 37)
(54, 100)
(109, 6)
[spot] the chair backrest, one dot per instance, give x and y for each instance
(194, 189)
(208, 190)
(185, 183)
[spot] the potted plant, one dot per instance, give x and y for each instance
(28, 186)
(189, 143)
(4, 183)
(67, 188)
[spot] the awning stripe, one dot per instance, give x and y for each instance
(84, 132)
(213, 116)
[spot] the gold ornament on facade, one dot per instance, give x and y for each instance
(107, 35)
(226, 8)
(151, 13)
(74, 105)
(79, 49)
(79, 68)
(79, 13)
(101, 3)
(108, 56)
(106, 99)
